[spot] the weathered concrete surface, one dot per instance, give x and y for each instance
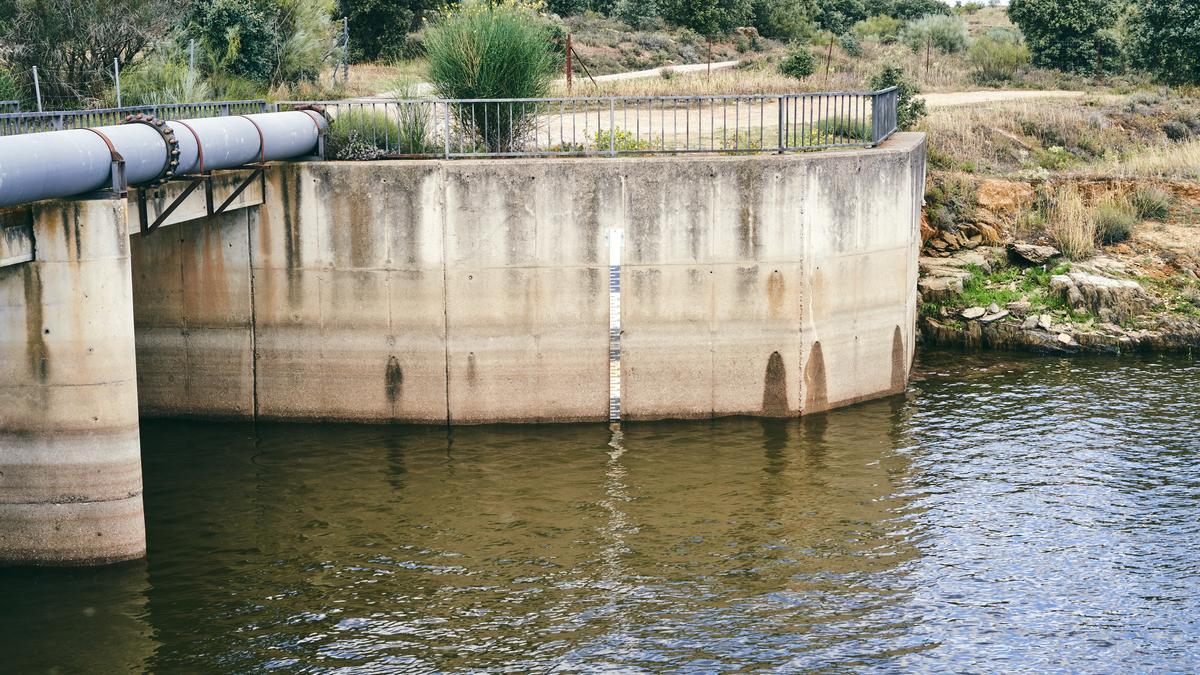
(70, 470)
(476, 291)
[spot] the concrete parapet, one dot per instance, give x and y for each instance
(70, 468)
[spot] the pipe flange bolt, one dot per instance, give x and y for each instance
(168, 136)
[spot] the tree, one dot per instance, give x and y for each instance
(839, 16)
(1165, 39)
(1065, 34)
(267, 42)
(637, 13)
(378, 27)
(784, 19)
(709, 18)
(73, 42)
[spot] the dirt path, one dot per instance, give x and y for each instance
(992, 96)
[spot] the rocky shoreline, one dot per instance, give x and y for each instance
(981, 289)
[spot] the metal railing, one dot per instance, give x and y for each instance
(606, 125)
(10, 106)
(12, 123)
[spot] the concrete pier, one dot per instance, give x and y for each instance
(70, 465)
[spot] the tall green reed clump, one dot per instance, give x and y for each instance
(492, 50)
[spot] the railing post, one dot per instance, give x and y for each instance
(782, 130)
(223, 110)
(446, 111)
(876, 118)
(612, 127)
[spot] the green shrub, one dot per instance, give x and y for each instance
(880, 28)
(163, 78)
(996, 61)
(637, 13)
(799, 64)
(235, 37)
(851, 45)
(947, 34)
(970, 7)
(1152, 203)
(842, 130)
(483, 50)
(1115, 219)
(621, 141)
(361, 135)
(9, 89)
(910, 107)
(1054, 158)
(1176, 130)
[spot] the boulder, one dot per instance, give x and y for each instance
(1113, 300)
(972, 313)
(1045, 322)
(1021, 308)
(994, 316)
(1031, 254)
(940, 289)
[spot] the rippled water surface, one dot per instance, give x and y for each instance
(1006, 514)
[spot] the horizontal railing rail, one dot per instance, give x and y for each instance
(636, 125)
(12, 123)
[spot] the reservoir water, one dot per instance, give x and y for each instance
(1006, 514)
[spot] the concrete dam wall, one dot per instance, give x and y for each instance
(478, 291)
(456, 292)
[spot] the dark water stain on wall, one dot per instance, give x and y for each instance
(775, 399)
(35, 341)
(291, 229)
(816, 397)
(393, 379)
(472, 370)
(899, 362)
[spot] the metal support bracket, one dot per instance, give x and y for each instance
(254, 175)
(195, 182)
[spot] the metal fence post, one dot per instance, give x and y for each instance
(37, 88)
(446, 111)
(782, 131)
(612, 127)
(876, 118)
(117, 80)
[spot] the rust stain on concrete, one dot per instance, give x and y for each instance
(775, 293)
(35, 341)
(816, 397)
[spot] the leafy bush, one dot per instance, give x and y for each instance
(880, 28)
(235, 37)
(1064, 34)
(361, 135)
(970, 7)
(907, 10)
(947, 34)
(799, 64)
(995, 61)
(1152, 203)
(1164, 35)
(379, 28)
(851, 45)
(1054, 158)
(910, 107)
(1115, 219)
(482, 50)
(621, 141)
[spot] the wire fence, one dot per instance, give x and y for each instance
(16, 122)
(606, 125)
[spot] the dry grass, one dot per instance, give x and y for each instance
(1071, 225)
(1174, 161)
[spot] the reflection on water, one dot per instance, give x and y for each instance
(1004, 515)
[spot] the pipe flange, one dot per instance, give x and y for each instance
(168, 136)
